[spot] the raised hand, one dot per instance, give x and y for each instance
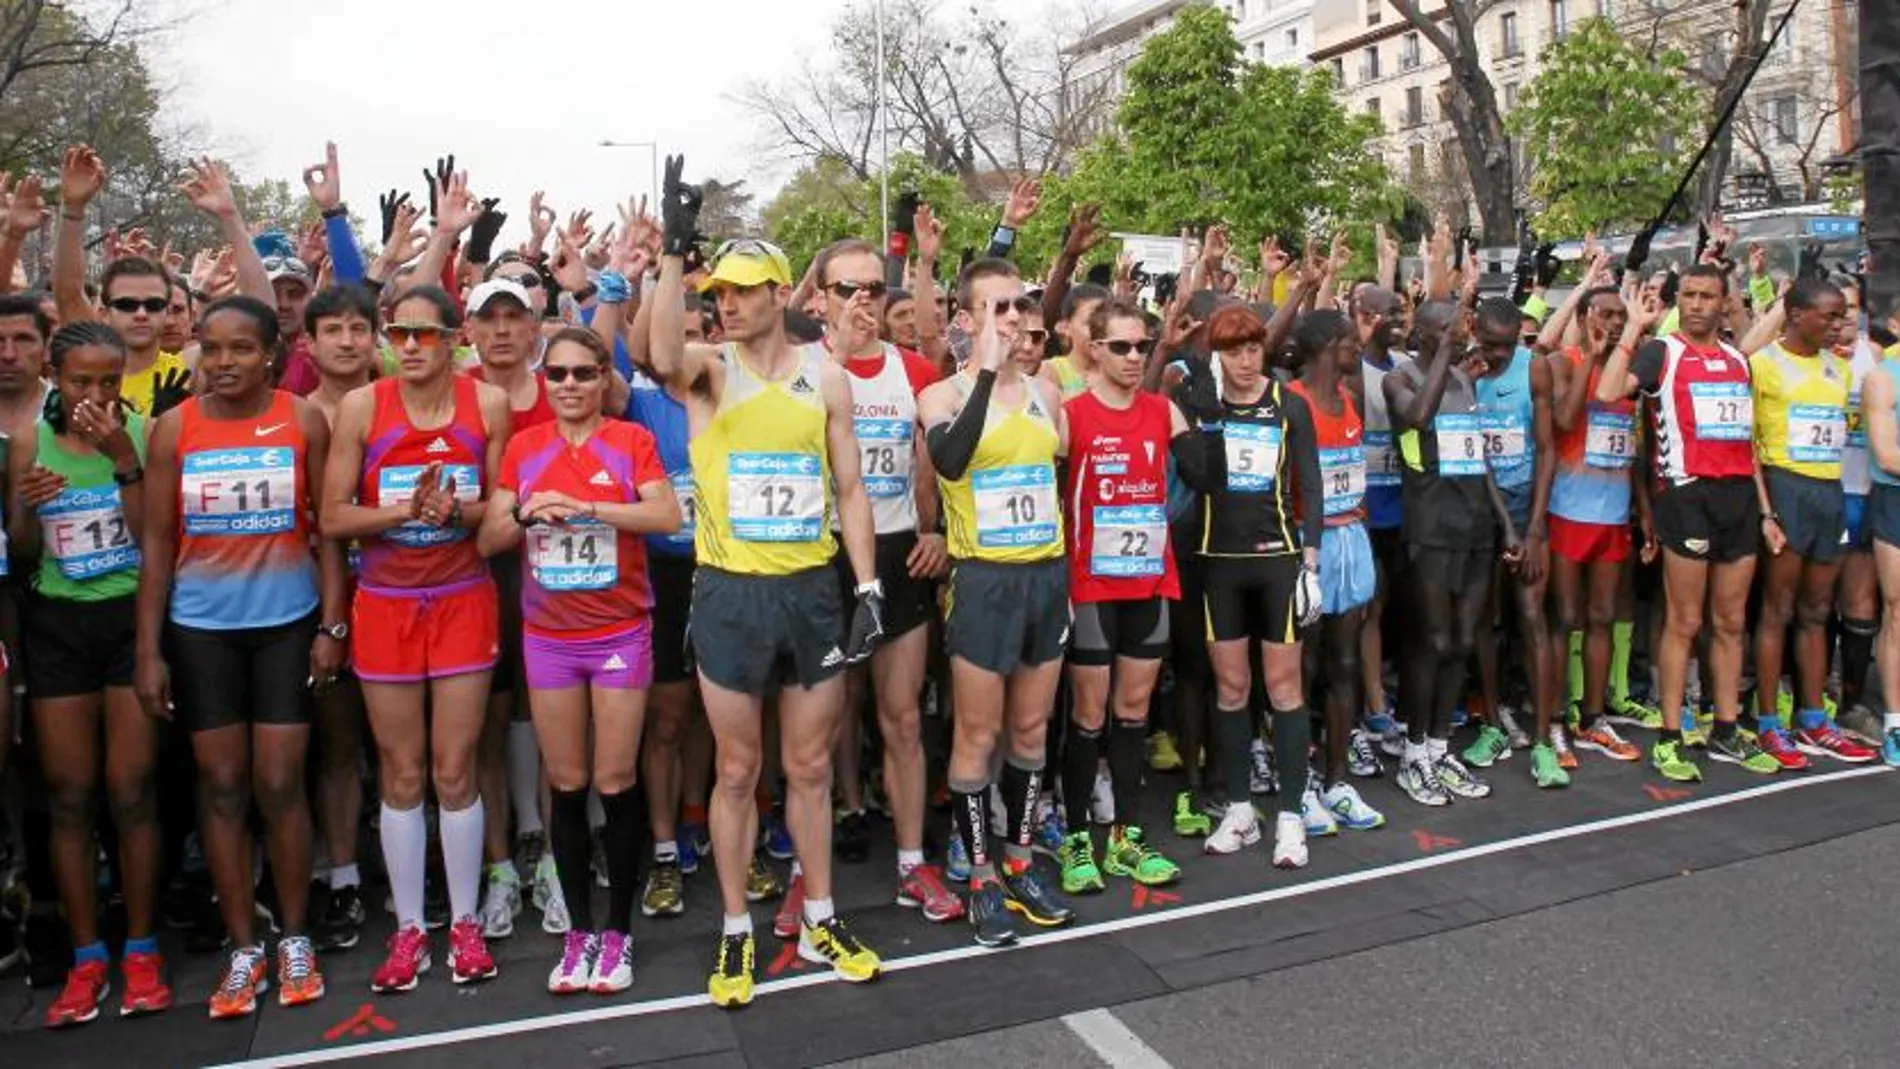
(929, 230)
(1215, 246)
(322, 182)
(568, 266)
(679, 209)
(1085, 230)
(437, 181)
(1025, 200)
(580, 228)
(1273, 258)
(209, 188)
(25, 209)
(82, 174)
(456, 209)
(541, 219)
(405, 240)
(392, 205)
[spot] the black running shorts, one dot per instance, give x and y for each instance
(750, 632)
(251, 675)
(1105, 630)
(1001, 616)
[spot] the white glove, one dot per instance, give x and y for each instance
(1306, 597)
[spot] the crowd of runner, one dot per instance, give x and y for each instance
(508, 554)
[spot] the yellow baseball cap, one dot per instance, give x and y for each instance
(748, 262)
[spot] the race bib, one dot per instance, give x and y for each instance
(1505, 439)
(1856, 470)
(1724, 411)
(1343, 474)
(574, 556)
(240, 491)
(775, 497)
(1382, 461)
(1816, 433)
(885, 456)
(1128, 541)
(687, 493)
(1015, 506)
(1461, 444)
(1253, 456)
(1610, 440)
(84, 531)
(397, 486)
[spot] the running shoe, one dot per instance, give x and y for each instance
(1560, 742)
(923, 889)
(665, 895)
(1745, 750)
(408, 959)
(1507, 719)
(695, 842)
(1601, 737)
(1162, 754)
(546, 881)
(1457, 779)
(1492, 746)
(776, 837)
(1774, 742)
(730, 985)
(1031, 897)
(86, 988)
(299, 980)
(1392, 743)
(1239, 829)
(613, 964)
(1189, 821)
(1261, 778)
(572, 973)
(1350, 809)
(1289, 841)
(1630, 713)
(555, 920)
(1050, 829)
(145, 987)
(1080, 876)
(501, 902)
(469, 960)
(343, 919)
(956, 859)
(993, 924)
(791, 910)
(761, 883)
(1546, 772)
(1890, 747)
(1128, 854)
(829, 942)
(1382, 724)
(1314, 816)
(1102, 800)
(1667, 758)
(1829, 741)
(530, 848)
(245, 976)
(1419, 780)
(1360, 760)
(1861, 724)
(852, 840)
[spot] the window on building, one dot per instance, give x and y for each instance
(1784, 115)
(1510, 97)
(1408, 52)
(1508, 44)
(1339, 71)
(1372, 107)
(1293, 41)
(1559, 19)
(1783, 53)
(1374, 12)
(1259, 50)
(1415, 106)
(1415, 165)
(1369, 64)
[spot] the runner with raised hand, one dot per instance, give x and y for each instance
(773, 448)
(1380, 316)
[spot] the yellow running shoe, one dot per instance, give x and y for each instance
(1162, 754)
(829, 942)
(730, 985)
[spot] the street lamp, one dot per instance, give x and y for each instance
(652, 147)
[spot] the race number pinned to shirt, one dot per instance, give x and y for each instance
(1724, 411)
(85, 532)
(397, 486)
(885, 456)
(1816, 433)
(1342, 472)
(1610, 440)
(1253, 455)
(775, 497)
(1128, 541)
(1505, 445)
(1461, 443)
(1015, 506)
(1856, 470)
(249, 491)
(1382, 461)
(686, 492)
(580, 555)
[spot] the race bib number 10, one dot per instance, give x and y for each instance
(1015, 506)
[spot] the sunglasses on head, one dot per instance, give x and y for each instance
(582, 373)
(847, 290)
(426, 335)
(1022, 304)
(1122, 346)
(529, 282)
(129, 305)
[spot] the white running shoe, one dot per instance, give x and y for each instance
(544, 879)
(613, 964)
(1458, 779)
(1239, 828)
(571, 974)
(1289, 842)
(1507, 720)
(501, 901)
(1419, 780)
(1102, 799)
(1360, 760)
(1343, 800)
(1317, 819)
(554, 918)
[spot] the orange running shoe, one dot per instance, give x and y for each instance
(246, 975)
(145, 988)
(299, 981)
(1602, 738)
(79, 1001)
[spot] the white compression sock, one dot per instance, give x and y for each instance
(524, 777)
(405, 835)
(462, 857)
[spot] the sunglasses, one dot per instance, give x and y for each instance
(528, 282)
(583, 374)
(129, 305)
(1122, 346)
(427, 335)
(848, 290)
(1002, 305)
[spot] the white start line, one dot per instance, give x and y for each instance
(522, 1025)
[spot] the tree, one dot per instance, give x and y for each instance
(37, 36)
(1471, 103)
(826, 201)
(1606, 123)
(726, 210)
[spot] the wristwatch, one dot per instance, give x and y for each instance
(129, 478)
(339, 630)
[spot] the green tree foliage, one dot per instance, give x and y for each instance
(1606, 125)
(824, 202)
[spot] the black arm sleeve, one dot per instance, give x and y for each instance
(1647, 365)
(1194, 458)
(1303, 439)
(952, 444)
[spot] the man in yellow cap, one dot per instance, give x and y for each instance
(773, 452)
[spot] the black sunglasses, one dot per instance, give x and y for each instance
(848, 290)
(1021, 304)
(1037, 335)
(128, 305)
(584, 373)
(529, 282)
(1122, 346)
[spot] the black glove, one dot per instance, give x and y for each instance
(438, 179)
(867, 624)
(1671, 283)
(679, 210)
(1547, 264)
(1638, 255)
(481, 236)
(170, 390)
(1809, 265)
(904, 213)
(391, 202)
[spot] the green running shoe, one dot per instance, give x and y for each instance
(1189, 821)
(1741, 748)
(1128, 854)
(1493, 745)
(1077, 855)
(1544, 767)
(1629, 713)
(1666, 756)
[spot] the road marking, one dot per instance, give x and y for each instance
(524, 1025)
(1113, 1042)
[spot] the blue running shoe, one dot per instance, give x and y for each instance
(956, 863)
(1382, 723)
(1890, 748)
(695, 842)
(777, 838)
(1050, 829)
(1459, 718)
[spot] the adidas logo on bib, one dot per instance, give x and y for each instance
(614, 664)
(440, 445)
(601, 478)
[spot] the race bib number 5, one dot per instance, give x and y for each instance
(240, 491)
(1015, 506)
(574, 556)
(1253, 456)
(84, 531)
(775, 497)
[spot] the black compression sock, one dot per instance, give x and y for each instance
(1292, 732)
(623, 838)
(1081, 754)
(1233, 738)
(573, 849)
(1021, 788)
(969, 814)
(1125, 750)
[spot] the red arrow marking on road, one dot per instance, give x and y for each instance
(1145, 897)
(1428, 842)
(1664, 794)
(359, 1024)
(787, 959)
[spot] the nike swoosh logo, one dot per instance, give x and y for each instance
(272, 429)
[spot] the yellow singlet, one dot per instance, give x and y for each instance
(1006, 508)
(136, 388)
(1069, 381)
(1800, 410)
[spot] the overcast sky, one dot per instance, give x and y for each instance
(521, 92)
